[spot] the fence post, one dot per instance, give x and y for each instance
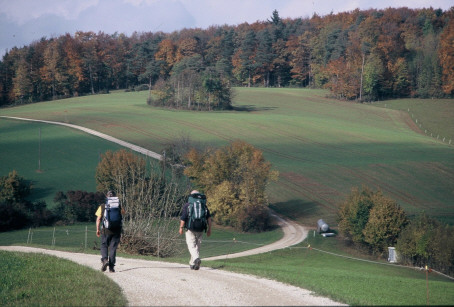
(86, 230)
(158, 244)
(28, 237)
(53, 238)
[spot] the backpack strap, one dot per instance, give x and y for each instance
(103, 209)
(190, 209)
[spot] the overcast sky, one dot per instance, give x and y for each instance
(25, 21)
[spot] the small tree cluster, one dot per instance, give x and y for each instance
(15, 210)
(370, 219)
(193, 87)
(234, 179)
(77, 206)
(425, 241)
(149, 198)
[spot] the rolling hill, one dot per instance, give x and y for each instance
(322, 147)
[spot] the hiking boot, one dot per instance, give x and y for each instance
(111, 269)
(191, 267)
(104, 265)
(197, 263)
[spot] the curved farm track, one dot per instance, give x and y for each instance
(154, 283)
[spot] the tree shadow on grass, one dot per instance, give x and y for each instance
(299, 210)
(41, 193)
(251, 108)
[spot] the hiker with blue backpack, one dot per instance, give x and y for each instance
(194, 220)
(109, 224)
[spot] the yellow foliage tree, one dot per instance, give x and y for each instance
(234, 178)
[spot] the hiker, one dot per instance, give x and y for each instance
(109, 226)
(195, 218)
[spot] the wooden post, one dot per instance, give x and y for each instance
(86, 230)
(39, 151)
(427, 285)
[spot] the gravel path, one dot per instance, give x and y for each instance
(155, 283)
(293, 234)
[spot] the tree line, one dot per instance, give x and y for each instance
(362, 54)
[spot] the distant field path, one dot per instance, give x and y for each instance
(293, 232)
(136, 148)
(153, 283)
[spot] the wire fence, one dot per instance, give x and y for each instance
(444, 139)
(87, 239)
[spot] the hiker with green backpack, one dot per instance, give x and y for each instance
(194, 220)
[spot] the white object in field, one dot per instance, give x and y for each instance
(322, 226)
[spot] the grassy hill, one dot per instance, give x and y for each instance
(322, 147)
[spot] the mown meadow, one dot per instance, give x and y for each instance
(322, 148)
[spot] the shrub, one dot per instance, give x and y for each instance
(234, 179)
(15, 210)
(386, 221)
(77, 206)
(14, 188)
(353, 214)
(370, 219)
(425, 241)
(150, 198)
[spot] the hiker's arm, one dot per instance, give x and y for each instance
(209, 227)
(98, 221)
(181, 231)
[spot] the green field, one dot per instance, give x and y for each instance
(321, 147)
(323, 270)
(64, 159)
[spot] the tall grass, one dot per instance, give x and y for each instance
(43, 280)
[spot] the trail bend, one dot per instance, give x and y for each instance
(155, 283)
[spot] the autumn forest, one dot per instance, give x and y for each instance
(363, 55)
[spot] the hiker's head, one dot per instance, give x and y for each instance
(110, 194)
(195, 192)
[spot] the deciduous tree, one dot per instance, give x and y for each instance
(234, 178)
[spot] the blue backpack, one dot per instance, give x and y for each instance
(197, 212)
(112, 219)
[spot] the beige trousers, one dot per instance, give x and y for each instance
(193, 240)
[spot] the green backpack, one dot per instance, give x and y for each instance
(197, 212)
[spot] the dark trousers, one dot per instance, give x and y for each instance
(109, 244)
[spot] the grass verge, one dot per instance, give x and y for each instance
(346, 280)
(30, 279)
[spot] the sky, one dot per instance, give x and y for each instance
(25, 21)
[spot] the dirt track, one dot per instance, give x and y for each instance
(154, 283)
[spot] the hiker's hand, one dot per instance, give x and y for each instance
(181, 230)
(98, 233)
